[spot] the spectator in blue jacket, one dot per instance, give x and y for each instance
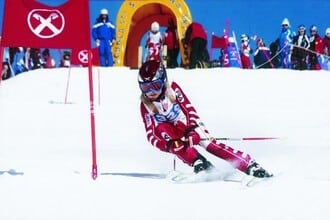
(104, 34)
(285, 41)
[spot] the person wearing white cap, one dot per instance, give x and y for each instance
(104, 34)
(316, 57)
(154, 42)
(285, 40)
(326, 41)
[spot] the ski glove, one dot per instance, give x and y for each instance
(176, 145)
(191, 134)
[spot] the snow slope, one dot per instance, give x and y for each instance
(45, 146)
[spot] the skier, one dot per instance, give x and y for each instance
(154, 42)
(173, 125)
(104, 34)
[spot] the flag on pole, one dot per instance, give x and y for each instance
(218, 42)
(29, 23)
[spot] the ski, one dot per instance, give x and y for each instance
(203, 176)
(208, 176)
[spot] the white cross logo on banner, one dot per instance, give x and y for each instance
(83, 56)
(40, 20)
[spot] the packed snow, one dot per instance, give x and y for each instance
(46, 155)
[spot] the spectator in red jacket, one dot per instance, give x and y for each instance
(48, 61)
(316, 45)
(326, 41)
(196, 38)
(172, 43)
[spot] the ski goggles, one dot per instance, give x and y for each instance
(153, 86)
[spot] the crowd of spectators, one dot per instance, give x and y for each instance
(305, 49)
(17, 60)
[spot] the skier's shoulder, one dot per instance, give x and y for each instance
(178, 92)
(174, 85)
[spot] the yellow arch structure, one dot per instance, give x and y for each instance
(134, 19)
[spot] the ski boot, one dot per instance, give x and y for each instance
(201, 163)
(254, 169)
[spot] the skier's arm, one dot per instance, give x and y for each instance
(190, 113)
(185, 104)
(149, 125)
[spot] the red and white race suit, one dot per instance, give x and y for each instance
(154, 45)
(171, 116)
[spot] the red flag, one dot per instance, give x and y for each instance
(80, 57)
(28, 23)
(218, 42)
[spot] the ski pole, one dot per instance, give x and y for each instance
(242, 139)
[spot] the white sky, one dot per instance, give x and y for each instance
(49, 143)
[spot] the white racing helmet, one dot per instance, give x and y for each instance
(155, 26)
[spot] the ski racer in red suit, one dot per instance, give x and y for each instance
(173, 125)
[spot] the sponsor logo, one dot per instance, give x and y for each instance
(46, 23)
(83, 56)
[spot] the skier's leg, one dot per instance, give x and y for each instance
(238, 159)
(187, 154)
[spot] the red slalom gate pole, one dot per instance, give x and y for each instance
(91, 99)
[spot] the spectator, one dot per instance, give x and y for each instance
(104, 34)
(196, 39)
(299, 52)
(48, 61)
(230, 56)
(5, 73)
(35, 58)
(6, 68)
(65, 61)
(316, 46)
(245, 51)
(172, 43)
(154, 42)
(326, 42)
(27, 59)
(16, 60)
(285, 40)
(262, 57)
(274, 54)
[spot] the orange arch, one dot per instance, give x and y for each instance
(134, 19)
